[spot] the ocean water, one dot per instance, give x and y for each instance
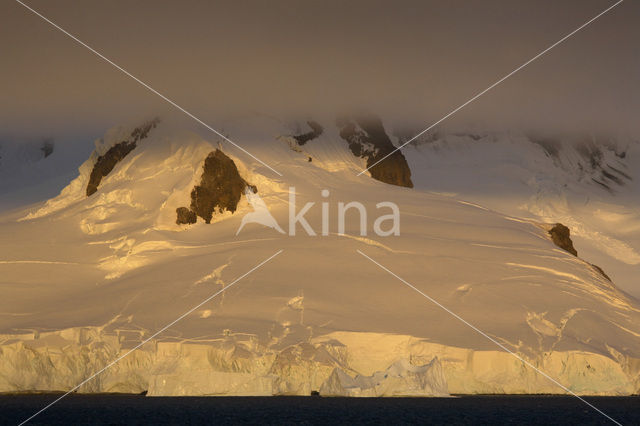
(487, 410)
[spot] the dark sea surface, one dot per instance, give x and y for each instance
(488, 410)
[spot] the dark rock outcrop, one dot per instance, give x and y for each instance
(367, 139)
(47, 147)
(600, 271)
(186, 216)
(105, 163)
(561, 236)
(316, 130)
(220, 189)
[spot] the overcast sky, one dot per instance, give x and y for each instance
(415, 59)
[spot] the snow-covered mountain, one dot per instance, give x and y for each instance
(150, 228)
(588, 182)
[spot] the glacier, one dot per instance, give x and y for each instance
(84, 280)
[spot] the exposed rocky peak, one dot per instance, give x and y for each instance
(316, 131)
(296, 141)
(561, 237)
(106, 162)
(220, 189)
(185, 216)
(367, 139)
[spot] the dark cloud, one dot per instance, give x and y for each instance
(411, 59)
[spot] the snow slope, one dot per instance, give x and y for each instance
(587, 182)
(33, 170)
(85, 279)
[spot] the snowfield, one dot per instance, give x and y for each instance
(83, 280)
